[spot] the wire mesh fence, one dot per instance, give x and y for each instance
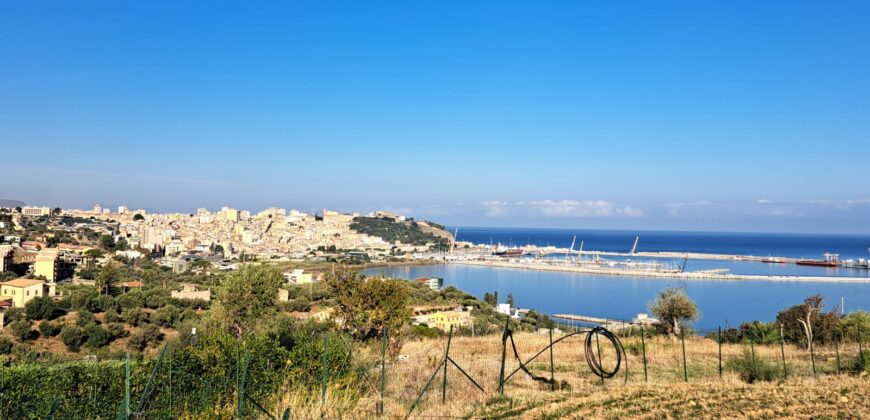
(441, 377)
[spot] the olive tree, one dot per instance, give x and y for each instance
(367, 305)
(672, 306)
(247, 299)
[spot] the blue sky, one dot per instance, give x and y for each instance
(654, 115)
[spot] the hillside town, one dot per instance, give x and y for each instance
(41, 247)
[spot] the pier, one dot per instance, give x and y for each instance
(687, 275)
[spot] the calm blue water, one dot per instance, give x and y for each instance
(720, 301)
(761, 244)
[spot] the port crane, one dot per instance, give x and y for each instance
(453, 241)
(571, 250)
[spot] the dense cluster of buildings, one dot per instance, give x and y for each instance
(270, 234)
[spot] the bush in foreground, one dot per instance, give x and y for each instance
(752, 369)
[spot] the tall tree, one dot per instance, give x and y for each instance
(671, 307)
(246, 299)
(367, 305)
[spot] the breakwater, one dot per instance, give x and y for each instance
(688, 275)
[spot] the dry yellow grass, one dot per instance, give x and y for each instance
(585, 395)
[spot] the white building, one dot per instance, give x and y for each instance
(35, 211)
(504, 308)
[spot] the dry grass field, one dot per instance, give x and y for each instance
(579, 393)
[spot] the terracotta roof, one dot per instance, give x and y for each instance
(132, 284)
(22, 283)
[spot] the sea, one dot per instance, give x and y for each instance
(722, 303)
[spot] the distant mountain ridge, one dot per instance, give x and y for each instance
(11, 203)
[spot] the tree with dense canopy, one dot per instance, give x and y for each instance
(367, 305)
(246, 299)
(672, 306)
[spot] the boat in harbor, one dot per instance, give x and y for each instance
(511, 252)
(772, 260)
(831, 260)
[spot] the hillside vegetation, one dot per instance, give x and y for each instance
(391, 230)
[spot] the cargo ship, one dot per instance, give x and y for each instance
(513, 252)
(831, 260)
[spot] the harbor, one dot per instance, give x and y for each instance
(541, 265)
(662, 264)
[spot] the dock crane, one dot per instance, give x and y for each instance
(571, 250)
(633, 248)
(453, 241)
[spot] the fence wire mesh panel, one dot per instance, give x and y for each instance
(448, 376)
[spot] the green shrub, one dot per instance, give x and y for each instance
(21, 330)
(15, 314)
(5, 345)
(97, 336)
(152, 334)
(752, 369)
(84, 299)
(422, 331)
(73, 337)
(859, 364)
(134, 316)
(42, 307)
(85, 318)
(111, 315)
(131, 299)
(137, 341)
(48, 328)
(166, 316)
(116, 330)
(24, 352)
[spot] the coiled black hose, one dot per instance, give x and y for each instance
(595, 361)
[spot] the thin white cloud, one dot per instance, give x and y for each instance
(674, 209)
(560, 209)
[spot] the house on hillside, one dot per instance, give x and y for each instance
(443, 320)
(16, 293)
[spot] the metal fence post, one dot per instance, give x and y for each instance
(383, 371)
(643, 349)
(323, 370)
(782, 352)
(127, 387)
(552, 367)
(685, 366)
(446, 358)
(720, 351)
(242, 381)
(504, 338)
(860, 345)
(837, 349)
(752, 350)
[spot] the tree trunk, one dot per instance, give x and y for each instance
(808, 330)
